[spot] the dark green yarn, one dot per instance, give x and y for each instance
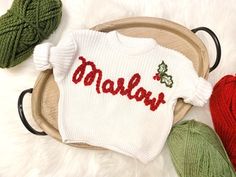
(197, 151)
(26, 24)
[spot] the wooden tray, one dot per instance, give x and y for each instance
(169, 34)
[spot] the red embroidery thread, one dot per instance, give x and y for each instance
(157, 77)
(108, 85)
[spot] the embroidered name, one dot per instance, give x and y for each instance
(108, 86)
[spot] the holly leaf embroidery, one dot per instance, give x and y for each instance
(167, 80)
(162, 68)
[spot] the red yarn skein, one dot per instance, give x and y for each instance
(223, 111)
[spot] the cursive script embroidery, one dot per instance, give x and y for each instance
(108, 86)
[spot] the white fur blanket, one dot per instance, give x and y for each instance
(25, 155)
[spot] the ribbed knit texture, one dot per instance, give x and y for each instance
(223, 111)
(119, 92)
(26, 24)
(196, 151)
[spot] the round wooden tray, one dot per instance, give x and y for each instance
(169, 34)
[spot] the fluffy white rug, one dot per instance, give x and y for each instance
(25, 155)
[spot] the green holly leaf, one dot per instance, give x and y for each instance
(162, 68)
(167, 79)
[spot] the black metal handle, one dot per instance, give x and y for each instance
(217, 44)
(22, 115)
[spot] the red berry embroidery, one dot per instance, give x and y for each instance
(157, 77)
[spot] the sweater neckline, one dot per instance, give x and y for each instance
(131, 45)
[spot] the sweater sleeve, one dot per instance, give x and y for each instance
(193, 89)
(59, 58)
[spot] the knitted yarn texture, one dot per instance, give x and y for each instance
(26, 24)
(196, 151)
(223, 111)
(117, 91)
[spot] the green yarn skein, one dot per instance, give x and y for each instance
(197, 151)
(26, 24)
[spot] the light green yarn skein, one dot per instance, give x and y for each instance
(196, 151)
(26, 24)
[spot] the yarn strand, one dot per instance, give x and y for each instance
(223, 111)
(24, 20)
(197, 151)
(26, 24)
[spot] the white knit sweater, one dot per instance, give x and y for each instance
(119, 92)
